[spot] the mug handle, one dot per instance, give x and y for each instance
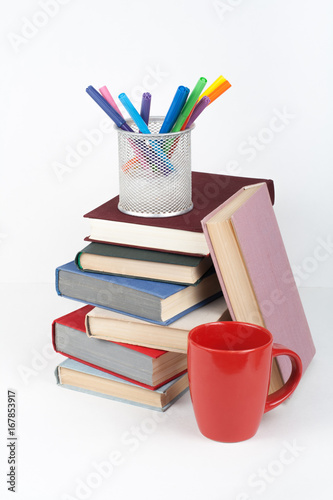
(277, 397)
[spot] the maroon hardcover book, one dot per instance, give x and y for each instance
(182, 233)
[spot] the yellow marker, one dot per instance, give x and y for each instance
(213, 86)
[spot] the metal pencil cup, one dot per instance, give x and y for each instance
(154, 171)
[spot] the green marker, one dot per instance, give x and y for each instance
(189, 105)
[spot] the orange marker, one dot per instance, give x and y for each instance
(219, 90)
(189, 116)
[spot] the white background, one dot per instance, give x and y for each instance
(277, 56)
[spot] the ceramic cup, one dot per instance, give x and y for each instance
(229, 368)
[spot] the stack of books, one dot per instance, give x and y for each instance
(145, 283)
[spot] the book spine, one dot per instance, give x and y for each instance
(56, 373)
(53, 336)
(77, 260)
(57, 282)
(87, 326)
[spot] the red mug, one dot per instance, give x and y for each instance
(229, 368)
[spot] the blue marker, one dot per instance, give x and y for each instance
(175, 108)
(109, 110)
(161, 156)
(139, 122)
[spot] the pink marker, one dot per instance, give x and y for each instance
(108, 97)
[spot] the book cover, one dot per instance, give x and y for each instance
(76, 376)
(149, 367)
(155, 301)
(109, 225)
(259, 249)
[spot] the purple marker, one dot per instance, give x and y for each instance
(145, 107)
(199, 107)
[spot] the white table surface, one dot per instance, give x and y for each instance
(75, 446)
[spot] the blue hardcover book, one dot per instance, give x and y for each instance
(79, 377)
(155, 301)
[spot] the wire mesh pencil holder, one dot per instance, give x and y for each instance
(154, 171)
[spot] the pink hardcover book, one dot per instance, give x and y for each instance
(261, 247)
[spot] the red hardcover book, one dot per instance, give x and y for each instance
(149, 368)
(182, 233)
